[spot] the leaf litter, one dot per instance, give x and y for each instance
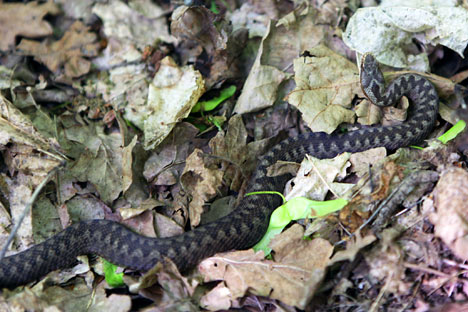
(137, 69)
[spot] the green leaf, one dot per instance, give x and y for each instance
(207, 106)
(452, 132)
(112, 278)
(295, 209)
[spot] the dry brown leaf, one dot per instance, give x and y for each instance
(17, 19)
(292, 278)
(451, 217)
(202, 181)
(68, 52)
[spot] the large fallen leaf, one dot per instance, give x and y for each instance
(325, 86)
(68, 52)
(389, 29)
(17, 19)
(292, 278)
(260, 87)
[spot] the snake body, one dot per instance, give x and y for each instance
(246, 224)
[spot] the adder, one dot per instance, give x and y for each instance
(245, 225)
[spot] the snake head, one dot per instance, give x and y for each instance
(372, 80)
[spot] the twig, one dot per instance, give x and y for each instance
(27, 209)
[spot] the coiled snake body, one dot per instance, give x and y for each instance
(245, 225)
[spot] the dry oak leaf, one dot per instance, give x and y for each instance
(68, 52)
(17, 19)
(292, 278)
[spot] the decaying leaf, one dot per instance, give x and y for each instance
(325, 87)
(68, 52)
(203, 182)
(197, 23)
(17, 19)
(293, 277)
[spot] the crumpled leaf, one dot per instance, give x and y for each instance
(387, 30)
(18, 19)
(451, 217)
(325, 86)
(310, 183)
(292, 278)
(68, 52)
(172, 95)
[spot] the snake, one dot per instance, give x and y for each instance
(246, 224)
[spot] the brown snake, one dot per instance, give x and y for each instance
(246, 225)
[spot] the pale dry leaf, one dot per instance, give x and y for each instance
(292, 278)
(70, 51)
(367, 113)
(217, 299)
(309, 181)
(18, 19)
(172, 94)
(325, 86)
(261, 85)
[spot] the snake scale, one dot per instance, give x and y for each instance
(245, 225)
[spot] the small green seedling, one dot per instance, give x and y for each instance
(452, 132)
(112, 278)
(206, 106)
